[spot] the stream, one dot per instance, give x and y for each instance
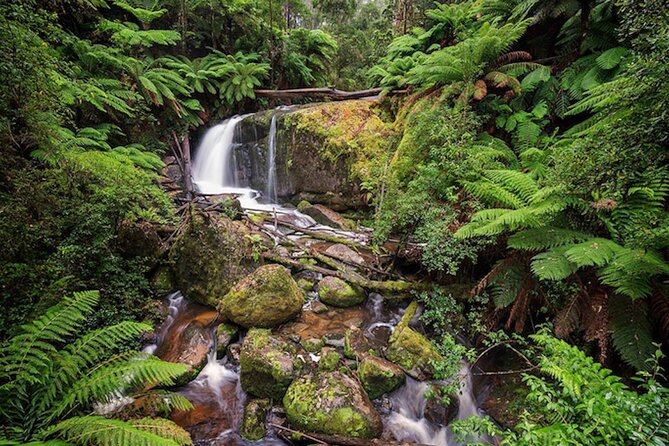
(216, 392)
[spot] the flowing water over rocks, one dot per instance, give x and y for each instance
(340, 326)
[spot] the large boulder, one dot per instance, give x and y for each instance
(331, 403)
(267, 364)
(210, 256)
(411, 350)
(379, 376)
(334, 291)
(326, 216)
(266, 298)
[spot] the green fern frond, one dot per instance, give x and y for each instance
(592, 252)
(553, 264)
(102, 431)
(539, 239)
(631, 331)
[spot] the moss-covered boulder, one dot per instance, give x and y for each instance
(210, 256)
(379, 376)
(253, 423)
(266, 298)
(411, 350)
(356, 344)
(267, 364)
(329, 359)
(334, 291)
(331, 403)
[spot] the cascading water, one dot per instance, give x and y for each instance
(271, 162)
(213, 166)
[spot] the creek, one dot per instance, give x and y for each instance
(408, 414)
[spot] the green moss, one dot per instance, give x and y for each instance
(335, 291)
(411, 350)
(379, 376)
(313, 345)
(266, 298)
(331, 403)
(162, 281)
(266, 364)
(253, 424)
(329, 360)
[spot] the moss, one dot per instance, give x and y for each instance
(411, 350)
(266, 364)
(162, 281)
(266, 298)
(355, 343)
(379, 376)
(302, 205)
(313, 345)
(333, 404)
(329, 360)
(335, 291)
(253, 424)
(210, 256)
(224, 334)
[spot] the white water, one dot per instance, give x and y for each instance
(213, 168)
(271, 162)
(407, 422)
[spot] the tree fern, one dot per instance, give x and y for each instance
(631, 331)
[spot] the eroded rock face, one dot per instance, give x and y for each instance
(411, 350)
(210, 256)
(266, 298)
(331, 403)
(334, 291)
(267, 364)
(379, 376)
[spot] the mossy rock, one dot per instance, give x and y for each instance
(267, 364)
(253, 423)
(210, 256)
(356, 344)
(331, 403)
(162, 281)
(313, 345)
(334, 291)
(379, 376)
(411, 350)
(224, 334)
(266, 298)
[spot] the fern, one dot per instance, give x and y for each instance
(631, 331)
(42, 384)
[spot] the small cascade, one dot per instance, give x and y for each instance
(407, 422)
(214, 165)
(271, 163)
(175, 304)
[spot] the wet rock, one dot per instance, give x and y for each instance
(329, 359)
(253, 424)
(233, 352)
(266, 298)
(331, 403)
(326, 216)
(379, 376)
(267, 364)
(441, 410)
(210, 256)
(305, 285)
(318, 307)
(334, 291)
(355, 343)
(411, 350)
(344, 253)
(194, 347)
(224, 334)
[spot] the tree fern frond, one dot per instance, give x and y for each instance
(553, 264)
(631, 331)
(539, 239)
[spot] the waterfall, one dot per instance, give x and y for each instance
(271, 162)
(214, 166)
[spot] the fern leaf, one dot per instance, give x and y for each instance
(538, 239)
(631, 331)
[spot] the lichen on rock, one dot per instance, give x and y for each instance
(266, 298)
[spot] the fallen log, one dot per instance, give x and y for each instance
(320, 93)
(387, 286)
(336, 440)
